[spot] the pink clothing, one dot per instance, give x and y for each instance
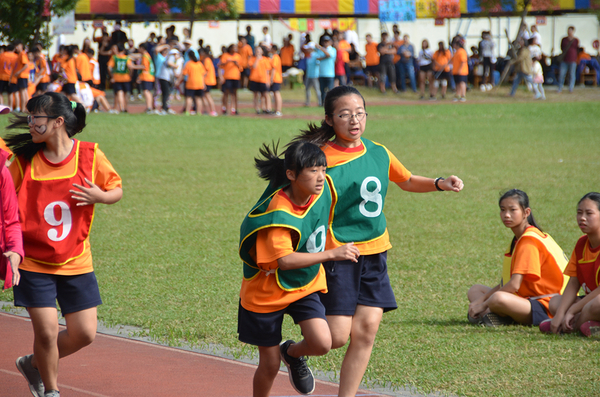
(11, 238)
(339, 64)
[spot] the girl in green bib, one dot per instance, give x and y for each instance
(360, 170)
(282, 245)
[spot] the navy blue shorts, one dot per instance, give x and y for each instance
(275, 87)
(22, 83)
(257, 87)
(460, 79)
(124, 86)
(194, 93)
(12, 88)
(231, 85)
(69, 89)
(73, 293)
(246, 72)
(364, 283)
(373, 69)
(264, 329)
(147, 85)
(443, 76)
(538, 312)
(3, 86)
(42, 87)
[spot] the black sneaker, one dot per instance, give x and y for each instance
(32, 375)
(301, 376)
(494, 320)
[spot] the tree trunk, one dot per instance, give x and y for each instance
(193, 5)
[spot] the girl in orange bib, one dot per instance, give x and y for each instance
(58, 180)
(531, 276)
(571, 312)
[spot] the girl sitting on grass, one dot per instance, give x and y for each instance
(282, 246)
(531, 274)
(571, 312)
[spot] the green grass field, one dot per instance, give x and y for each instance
(166, 255)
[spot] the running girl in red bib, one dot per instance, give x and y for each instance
(360, 170)
(58, 180)
(531, 275)
(282, 245)
(572, 313)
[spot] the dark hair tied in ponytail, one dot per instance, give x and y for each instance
(54, 105)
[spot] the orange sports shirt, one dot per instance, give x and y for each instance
(83, 67)
(145, 73)
(262, 294)
(372, 56)
(22, 60)
(287, 55)
(230, 69)
(105, 177)
(397, 44)
(397, 173)
(41, 66)
(345, 47)
(120, 77)
(440, 59)
(195, 72)
(460, 65)
(7, 63)
(70, 70)
(276, 65)
(589, 255)
(245, 54)
(211, 77)
(259, 72)
(541, 274)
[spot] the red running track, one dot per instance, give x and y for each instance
(117, 366)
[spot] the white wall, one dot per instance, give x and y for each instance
(587, 30)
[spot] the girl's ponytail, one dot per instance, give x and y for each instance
(80, 115)
(523, 201)
(271, 167)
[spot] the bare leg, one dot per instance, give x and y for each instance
(506, 304)
(149, 100)
(199, 105)
(363, 329)
(590, 312)
(188, 104)
(317, 339)
(268, 366)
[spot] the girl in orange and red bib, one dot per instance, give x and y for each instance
(570, 312)
(531, 275)
(58, 180)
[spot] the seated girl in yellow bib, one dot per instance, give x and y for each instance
(532, 272)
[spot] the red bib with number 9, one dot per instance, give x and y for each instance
(54, 227)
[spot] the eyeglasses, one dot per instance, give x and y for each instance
(31, 118)
(347, 116)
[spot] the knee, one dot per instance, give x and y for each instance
(338, 341)
(593, 307)
(497, 301)
(321, 347)
(46, 336)
(83, 337)
(365, 332)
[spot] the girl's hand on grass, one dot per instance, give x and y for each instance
(14, 259)
(568, 321)
(88, 195)
(346, 252)
(452, 183)
(476, 308)
(556, 324)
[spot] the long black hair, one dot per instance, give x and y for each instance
(297, 156)
(594, 196)
(523, 201)
(54, 105)
(320, 135)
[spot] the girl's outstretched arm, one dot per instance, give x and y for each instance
(566, 302)
(94, 195)
(421, 184)
(298, 260)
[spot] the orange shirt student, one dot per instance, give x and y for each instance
(82, 62)
(231, 70)
(245, 52)
(70, 70)
(145, 74)
(397, 43)
(211, 77)
(440, 59)
(22, 60)
(195, 73)
(276, 65)
(120, 77)
(345, 47)
(7, 63)
(460, 63)
(259, 71)
(42, 68)
(372, 56)
(287, 56)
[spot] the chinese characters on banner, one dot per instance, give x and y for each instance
(426, 8)
(397, 10)
(448, 8)
(308, 25)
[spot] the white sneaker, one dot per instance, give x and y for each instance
(171, 111)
